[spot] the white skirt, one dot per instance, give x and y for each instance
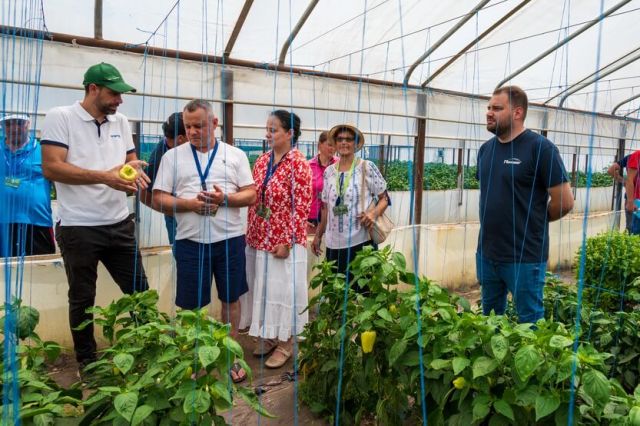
(268, 308)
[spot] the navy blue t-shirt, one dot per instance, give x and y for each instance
(514, 178)
(154, 161)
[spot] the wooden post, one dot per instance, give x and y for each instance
(618, 188)
(227, 106)
(418, 150)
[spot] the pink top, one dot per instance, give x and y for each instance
(317, 170)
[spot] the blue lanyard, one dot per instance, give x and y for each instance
(271, 170)
(203, 177)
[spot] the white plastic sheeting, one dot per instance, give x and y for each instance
(382, 38)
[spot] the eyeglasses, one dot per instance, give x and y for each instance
(343, 139)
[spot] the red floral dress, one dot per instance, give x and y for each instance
(285, 225)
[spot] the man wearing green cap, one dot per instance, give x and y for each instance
(84, 146)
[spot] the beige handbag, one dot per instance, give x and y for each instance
(383, 226)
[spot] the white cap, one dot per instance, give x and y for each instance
(15, 117)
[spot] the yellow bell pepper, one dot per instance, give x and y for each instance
(459, 383)
(128, 173)
(367, 338)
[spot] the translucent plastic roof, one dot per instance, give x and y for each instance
(381, 39)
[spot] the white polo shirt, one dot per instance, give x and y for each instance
(178, 175)
(92, 146)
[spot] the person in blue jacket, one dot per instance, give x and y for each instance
(26, 225)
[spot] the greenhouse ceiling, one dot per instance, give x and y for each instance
(580, 54)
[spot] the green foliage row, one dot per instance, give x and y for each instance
(611, 269)
(477, 369)
(156, 371)
(439, 176)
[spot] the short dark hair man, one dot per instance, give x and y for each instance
(84, 146)
(174, 135)
(523, 187)
(25, 217)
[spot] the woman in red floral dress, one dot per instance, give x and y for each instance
(276, 242)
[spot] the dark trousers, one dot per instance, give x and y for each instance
(82, 247)
(22, 239)
(343, 257)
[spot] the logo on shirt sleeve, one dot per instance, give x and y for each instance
(515, 161)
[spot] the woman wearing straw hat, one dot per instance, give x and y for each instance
(343, 219)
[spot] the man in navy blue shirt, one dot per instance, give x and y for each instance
(523, 187)
(174, 135)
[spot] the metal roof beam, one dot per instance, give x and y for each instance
(561, 43)
(626, 101)
(236, 28)
(474, 42)
(296, 30)
(444, 38)
(601, 73)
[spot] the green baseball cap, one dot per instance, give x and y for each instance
(107, 75)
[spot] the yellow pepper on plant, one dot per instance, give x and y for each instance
(459, 382)
(367, 339)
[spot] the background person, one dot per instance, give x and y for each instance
(319, 163)
(616, 171)
(211, 181)
(276, 242)
(523, 187)
(84, 146)
(25, 217)
(174, 135)
(343, 221)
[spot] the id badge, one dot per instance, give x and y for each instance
(11, 182)
(263, 211)
(340, 210)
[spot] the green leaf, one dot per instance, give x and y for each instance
(596, 385)
(208, 355)
(196, 400)
(546, 404)
(142, 412)
(440, 364)
(252, 399)
(527, 360)
(499, 346)
(481, 407)
(483, 365)
(634, 415)
(459, 364)
(501, 406)
(45, 419)
(385, 315)
(233, 346)
(560, 342)
(396, 351)
(125, 404)
(124, 362)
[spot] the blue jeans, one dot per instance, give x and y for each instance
(525, 281)
(635, 225)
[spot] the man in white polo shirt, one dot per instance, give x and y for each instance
(211, 181)
(84, 146)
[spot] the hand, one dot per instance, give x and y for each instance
(281, 251)
(311, 228)
(315, 245)
(630, 205)
(212, 197)
(142, 180)
(367, 219)
(202, 208)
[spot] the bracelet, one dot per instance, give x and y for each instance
(225, 201)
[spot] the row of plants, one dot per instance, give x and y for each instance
(439, 176)
(155, 371)
(433, 355)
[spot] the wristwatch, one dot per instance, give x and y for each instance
(225, 201)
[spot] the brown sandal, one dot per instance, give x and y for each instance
(264, 347)
(278, 358)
